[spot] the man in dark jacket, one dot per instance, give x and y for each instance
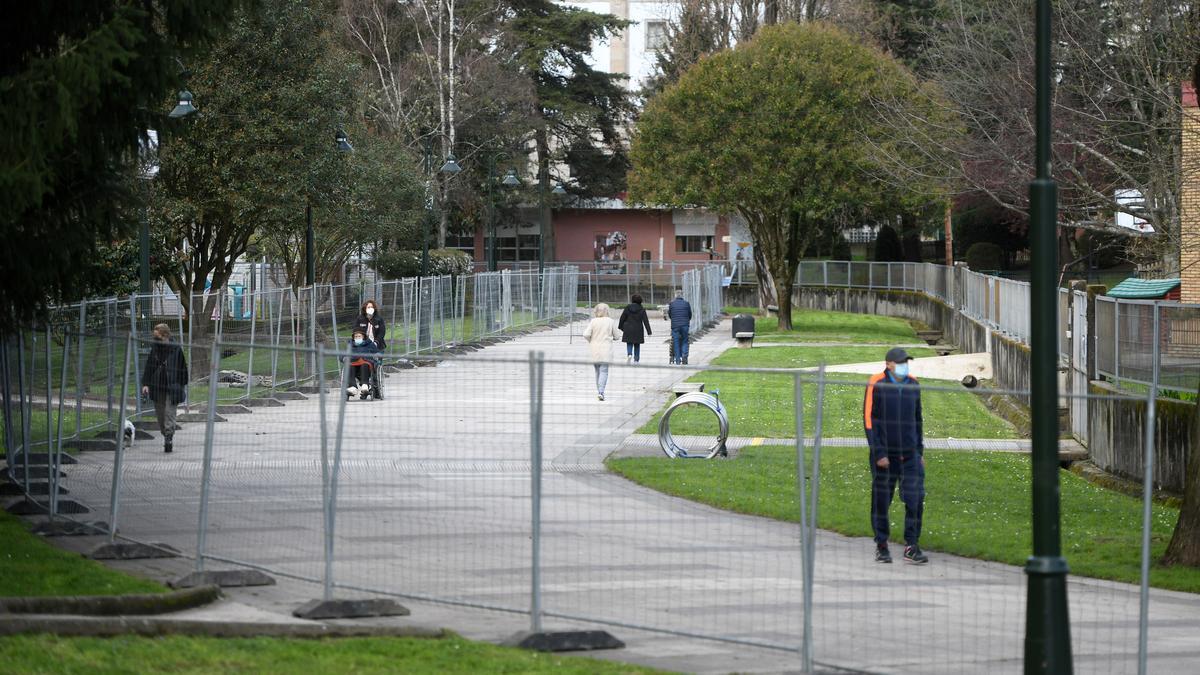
(892, 421)
(679, 311)
(165, 381)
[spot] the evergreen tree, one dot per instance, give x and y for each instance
(579, 111)
(80, 83)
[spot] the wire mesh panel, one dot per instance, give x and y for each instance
(87, 475)
(433, 486)
(1179, 346)
(1135, 340)
(644, 542)
(264, 492)
(964, 501)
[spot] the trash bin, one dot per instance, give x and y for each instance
(743, 323)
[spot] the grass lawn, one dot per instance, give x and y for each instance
(812, 325)
(176, 654)
(762, 404)
(37, 424)
(977, 505)
(33, 567)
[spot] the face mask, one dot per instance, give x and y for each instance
(358, 342)
(901, 371)
(370, 311)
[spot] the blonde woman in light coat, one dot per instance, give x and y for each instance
(601, 333)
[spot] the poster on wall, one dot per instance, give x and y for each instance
(609, 253)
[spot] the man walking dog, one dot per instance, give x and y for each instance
(892, 421)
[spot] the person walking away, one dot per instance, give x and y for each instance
(679, 311)
(600, 333)
(892, 421)
(634, 326)
(371, 324)
(165, 381)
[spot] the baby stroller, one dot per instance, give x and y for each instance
(364, 376)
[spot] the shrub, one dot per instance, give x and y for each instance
(985, 256)
(403, 264)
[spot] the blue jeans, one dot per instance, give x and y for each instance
(679, 344)
(601, 377)
(634, 350)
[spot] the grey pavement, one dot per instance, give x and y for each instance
(434, 508)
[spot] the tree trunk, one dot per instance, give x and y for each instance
(766, 285)
(783, 290)
(1184, 548)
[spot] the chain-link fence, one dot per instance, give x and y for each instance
(498, 480)
(1125, 342)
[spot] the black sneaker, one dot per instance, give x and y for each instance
(912, 554)
(882, 554)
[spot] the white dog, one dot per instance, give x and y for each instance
(130, 432)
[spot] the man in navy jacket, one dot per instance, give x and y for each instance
(679, 311)
(892, 421)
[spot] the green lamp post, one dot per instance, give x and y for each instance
(1047, 622)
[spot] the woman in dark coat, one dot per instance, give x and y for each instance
(165, 381)
(370, 323)
(633, 320)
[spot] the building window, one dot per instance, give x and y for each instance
(693, 244)
(656, 35)
(462, 242)
(513, 249)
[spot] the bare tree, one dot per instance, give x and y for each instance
(1117, 111)
(438, 83)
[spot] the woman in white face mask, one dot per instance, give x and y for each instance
(370, 322)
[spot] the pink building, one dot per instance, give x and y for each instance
(610, 234)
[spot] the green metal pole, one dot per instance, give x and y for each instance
(144, 264)
(310, 254)
(428, 210)
(491, 243)
(1047, 623)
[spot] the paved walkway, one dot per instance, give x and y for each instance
(434, 502)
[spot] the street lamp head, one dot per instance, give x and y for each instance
(450, 167)
(342, 141)
(185, 107)
(510, 179)
(558, 190)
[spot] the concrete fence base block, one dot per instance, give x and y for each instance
(35, 473)
(198, 417)
(95, 444)
(8, 489)
(263, 403)
(318, 610)
(289, 396)
(39, 459)
(29, 508)
(138, 435)
(128, 550)
(70, 528)
(565, 641)
(224, 579)
(232, 409)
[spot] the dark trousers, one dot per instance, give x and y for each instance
(634, 350)
(679, 344)
(360, 375)
(906, 470)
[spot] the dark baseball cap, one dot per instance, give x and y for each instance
(897, 355)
